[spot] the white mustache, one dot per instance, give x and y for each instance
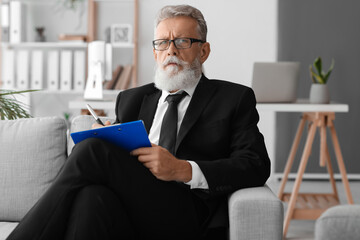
(173, 59)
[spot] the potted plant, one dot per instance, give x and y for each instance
(319, 92)
(10, 107)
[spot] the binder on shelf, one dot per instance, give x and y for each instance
(53, 70)
(8, 69)
(5, 22)
(37, 69)
(22, 69)
(79, 70)
(65, 70)
(17, 24)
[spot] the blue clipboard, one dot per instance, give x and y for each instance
(129, 136)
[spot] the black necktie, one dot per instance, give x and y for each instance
(168, 130)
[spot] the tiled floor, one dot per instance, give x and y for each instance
(304, 229)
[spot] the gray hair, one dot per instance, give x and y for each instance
(183, 10)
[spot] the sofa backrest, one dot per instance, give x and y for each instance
(32, 152)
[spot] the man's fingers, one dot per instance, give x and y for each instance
(96, 125)
(141, 151)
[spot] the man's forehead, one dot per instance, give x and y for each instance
(181, 26)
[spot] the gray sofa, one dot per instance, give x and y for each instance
(32, 151)
(339, 222)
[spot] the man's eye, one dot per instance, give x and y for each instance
(163, 42)
(181, 41)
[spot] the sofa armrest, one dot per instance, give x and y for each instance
(81, 123)
(255, 213)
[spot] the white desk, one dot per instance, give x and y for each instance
(318, 116)
(107, 105)
(80, 104)
(302, 105)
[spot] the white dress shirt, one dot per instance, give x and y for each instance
(198, 179)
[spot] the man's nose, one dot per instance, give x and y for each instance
(172, 50)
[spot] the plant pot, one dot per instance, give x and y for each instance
(319, 93)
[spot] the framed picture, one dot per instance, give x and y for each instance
(121, 34)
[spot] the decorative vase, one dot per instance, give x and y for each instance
(40, 34)
(319, 93)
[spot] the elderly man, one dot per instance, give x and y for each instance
(205, 145)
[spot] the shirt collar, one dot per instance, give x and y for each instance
(190, 91)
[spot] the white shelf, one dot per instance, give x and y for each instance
(105, 92)
(45, 45)
(119, 45)
(34, 1)
(59, 45)
(119, 1)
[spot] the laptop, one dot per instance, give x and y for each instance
(275, 81)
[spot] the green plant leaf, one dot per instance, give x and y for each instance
(318, 65)
(10, 107)
(10, 92)
(311, 74)
(317, 77)
(329, 71)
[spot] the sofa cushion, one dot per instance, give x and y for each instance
(32, 151)
(339, 222)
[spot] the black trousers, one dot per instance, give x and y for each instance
(104, 193)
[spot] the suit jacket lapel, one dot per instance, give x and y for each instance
(200, 99)
(148, 109)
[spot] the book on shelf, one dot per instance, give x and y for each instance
(71, 37)
(115, 76)
(125, 77)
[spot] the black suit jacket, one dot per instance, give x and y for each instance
(219, 132)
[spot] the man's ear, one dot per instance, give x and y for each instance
(204, 52)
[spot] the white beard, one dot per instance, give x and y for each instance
(172, 79)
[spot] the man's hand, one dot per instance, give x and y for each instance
(162, 164)
(96, 125)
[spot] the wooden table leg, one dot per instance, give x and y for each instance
(291, 157)
(301, 170)
(340, 161)
(323, 141)
(331, 174)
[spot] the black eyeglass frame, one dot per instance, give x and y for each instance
(192, 40)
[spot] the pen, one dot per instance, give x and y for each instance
(94, 114)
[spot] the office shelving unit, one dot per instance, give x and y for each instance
(92, 20)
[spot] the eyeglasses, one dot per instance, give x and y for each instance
(180, 43)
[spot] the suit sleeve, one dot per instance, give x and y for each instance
(248, 164)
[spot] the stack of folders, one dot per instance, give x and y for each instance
(121, 78)
(36, 69)
(66, 70)
(24, 69)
